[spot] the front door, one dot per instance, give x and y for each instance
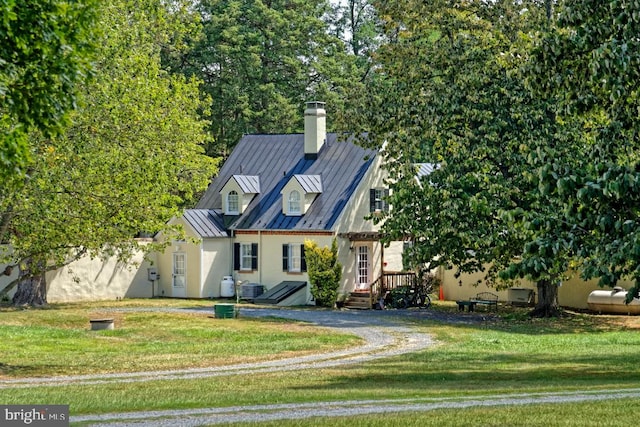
(179, 271)
(362, 268)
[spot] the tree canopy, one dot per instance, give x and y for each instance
(45, 52)
(452, 93)
(260, 61)
(590, 61)
(132, 155)
(528, 116)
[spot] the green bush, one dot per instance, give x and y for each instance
(324, 272)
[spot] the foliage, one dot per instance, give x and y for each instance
(454, 99)
(324, 272)
(356, 23)
(130, 158)
(260, 61)
(452, 94)
(590, 61)
(45, 53)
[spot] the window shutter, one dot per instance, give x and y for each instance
(372, 200)
(254, 256)
(236, 256)
(285, 257)
(304, 260)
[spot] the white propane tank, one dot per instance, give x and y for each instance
(227, 287)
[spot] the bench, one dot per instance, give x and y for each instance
(483, 298)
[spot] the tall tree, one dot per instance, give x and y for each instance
(45, 52)
(356, 23)
(452, 95)
(590, 61)
(260, 60)
(131, 157)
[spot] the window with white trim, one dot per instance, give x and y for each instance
(233, 203)
(293, 258)
(246, 256)
(377, 202)
(294, 203)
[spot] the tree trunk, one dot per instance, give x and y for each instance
(547, 305)
(32, 288)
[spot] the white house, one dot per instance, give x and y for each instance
(272, 193)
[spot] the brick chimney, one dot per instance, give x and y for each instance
(315, 129)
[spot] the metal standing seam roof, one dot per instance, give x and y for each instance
(206, 222)
(424, 169)
(310, 183)
(276, 159)
(248, 183)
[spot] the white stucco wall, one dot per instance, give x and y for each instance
(393, 256)
(217, 262)
(353, 216)
(94, 280)
(5, 280)
(270, 271)
(207, 261)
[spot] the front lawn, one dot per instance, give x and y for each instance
(505, 356)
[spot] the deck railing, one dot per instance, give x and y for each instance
(392, 280)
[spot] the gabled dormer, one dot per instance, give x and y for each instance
(299, 193)
(238, 192)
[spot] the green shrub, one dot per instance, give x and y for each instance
(324, 272)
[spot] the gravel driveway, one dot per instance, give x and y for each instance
(384, 333)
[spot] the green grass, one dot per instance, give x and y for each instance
(58, 341)
(596, 414)
(518, 355)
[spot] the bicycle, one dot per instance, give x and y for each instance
(407, 296)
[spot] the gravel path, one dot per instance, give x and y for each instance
(261, 413)
(384, 333)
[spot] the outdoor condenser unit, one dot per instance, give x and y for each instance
(251, 291)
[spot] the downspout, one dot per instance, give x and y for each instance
(260, 251)
(231, 241)
(202, 281)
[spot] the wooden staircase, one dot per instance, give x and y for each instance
(359, 300)
(363, 299)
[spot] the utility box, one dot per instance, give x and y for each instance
(250, 291)
(521, 297)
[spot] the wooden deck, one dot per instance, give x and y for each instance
(366, 300)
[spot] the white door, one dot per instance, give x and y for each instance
(362, 268)
(179, 272)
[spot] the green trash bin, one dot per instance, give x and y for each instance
(225, 311)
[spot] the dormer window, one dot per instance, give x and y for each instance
(233, 207)
(238, 192)
(299, 193)
(294, 203)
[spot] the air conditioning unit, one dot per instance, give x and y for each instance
(250, 291)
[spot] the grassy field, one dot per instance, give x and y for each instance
(514, 354)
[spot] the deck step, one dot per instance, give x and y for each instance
(358, 301)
